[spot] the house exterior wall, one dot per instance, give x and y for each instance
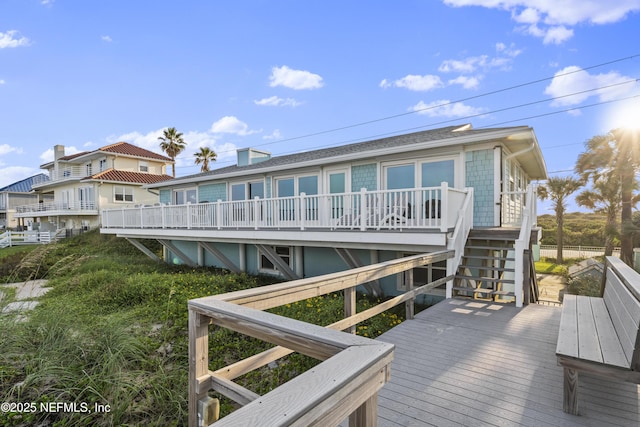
(364, 176)
(211, 192)
(479, 174)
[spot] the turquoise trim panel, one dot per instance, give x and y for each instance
(212, 192)
(364, 176)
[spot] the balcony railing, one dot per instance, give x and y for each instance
(422, 208)
(63, 174)
(56, 206)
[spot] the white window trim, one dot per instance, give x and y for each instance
(143, 164)
(124, 194)
(274, 270)
(417, 163)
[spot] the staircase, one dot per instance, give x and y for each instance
(486, 270)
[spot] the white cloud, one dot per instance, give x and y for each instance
(6, 149)
(573, 79)
(294, 79)
(47, 156)
(549, 19)
(275, 101)
(231, 124)
(12, 39)
(11, 174)
(275, 135)
(467, 65)
(445, 108)
(107, 39)
(465, 82)
(415, 82)
(2, 82)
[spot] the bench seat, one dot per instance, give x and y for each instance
(601, 336)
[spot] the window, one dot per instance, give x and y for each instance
(143, 166)
(435, 173)
(401, 176)
(184, 196)
(284, 252)
(123, 194)
(103, 165)
(88, 169)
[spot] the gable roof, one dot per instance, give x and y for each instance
(24, 186)
(451, 135)
(128, 177)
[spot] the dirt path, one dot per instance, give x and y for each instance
(551, 287)
(26, 294)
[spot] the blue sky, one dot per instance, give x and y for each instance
(287, 76)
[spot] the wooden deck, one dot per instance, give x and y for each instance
(475, 363)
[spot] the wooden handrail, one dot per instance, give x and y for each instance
(345, 384)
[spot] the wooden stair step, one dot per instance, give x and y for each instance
(484, 267)
(483, 279)
(491, 248)
(486, 291)
(488, 257)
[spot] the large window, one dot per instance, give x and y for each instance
(435, 173)
(400, 176)
(184, 196)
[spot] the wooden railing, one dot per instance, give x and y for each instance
(420, 208)
(344, 385)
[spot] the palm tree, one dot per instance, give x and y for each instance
(172, 143)
(604, 198)
(205, 156)
(557, 190)
(615, 155)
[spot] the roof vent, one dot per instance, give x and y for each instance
(250, 156)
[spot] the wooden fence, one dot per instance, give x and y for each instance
(344, 385)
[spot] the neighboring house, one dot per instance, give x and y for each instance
(327, 210)
(17, 194)
(82, 184)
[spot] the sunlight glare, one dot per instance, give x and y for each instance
(626, 115)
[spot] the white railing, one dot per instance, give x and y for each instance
(57, 206)
(513, 206)
(422, 208)
(551, 251)
(13, 238)
(63, 173)
(528, 222)
(459, 236)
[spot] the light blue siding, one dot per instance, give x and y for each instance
(364, 176)
(479, 175)
(212, 192)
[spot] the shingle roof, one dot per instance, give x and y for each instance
(24, 186)
(126, 176)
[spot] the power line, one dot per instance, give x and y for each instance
(631, 57)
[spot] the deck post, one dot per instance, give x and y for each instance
(350, 306)
(302, 209)
(256, 212)
(363, 209)
(219, 213)
(444, 206)
(198, 361)
(367, 414)
(570, 401)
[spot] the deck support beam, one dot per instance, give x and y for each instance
(221, 257)
(352, 261)
(143, 249)
(177, 252)
(275, 259)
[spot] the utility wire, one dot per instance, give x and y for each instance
(630, 57)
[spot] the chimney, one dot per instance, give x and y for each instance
(58, 151)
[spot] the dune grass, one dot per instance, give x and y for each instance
(113, 331)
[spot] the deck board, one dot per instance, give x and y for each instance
(473, 363)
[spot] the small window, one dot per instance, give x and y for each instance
(284, 252)
(123, 194)
(143, 166)
(103, 165)
(89, 169)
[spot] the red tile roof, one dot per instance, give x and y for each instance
(133, 150)
(73, 156)
(132, 177)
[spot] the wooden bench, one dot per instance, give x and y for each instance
(601, 336)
